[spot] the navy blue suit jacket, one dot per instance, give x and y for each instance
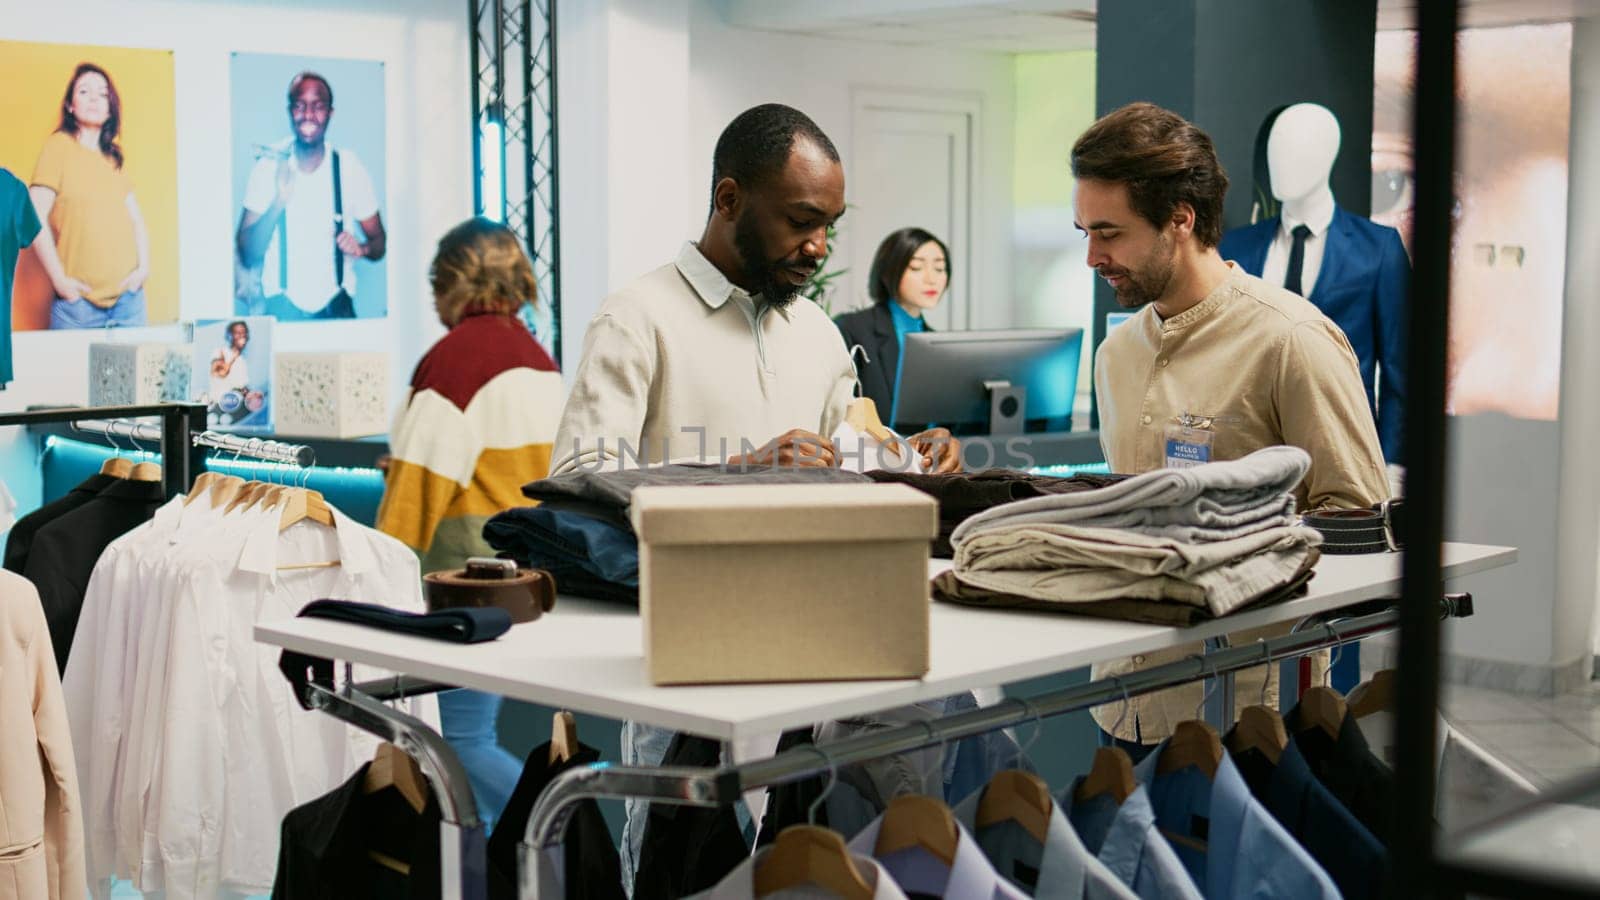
(1362, 287)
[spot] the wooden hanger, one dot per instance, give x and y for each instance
(300, 504)
(392, 767)
(117, 467)
(1020, 797)
(1193, 743)
(1374, 696)
(1321, 707)
(1111, 773)
(246, 495)
(563, 737)
(202, 483)
(224, 488)
(145, 471)
(914, 820)
(1259, 728)
(808, 855)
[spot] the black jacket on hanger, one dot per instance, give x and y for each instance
(20, 541)
(64, 552)
(688, 849)
(591, 864)
(873, 329)
(325, 852)
(1350, 771)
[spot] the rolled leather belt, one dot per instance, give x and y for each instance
(1351, 531)
(524, 593)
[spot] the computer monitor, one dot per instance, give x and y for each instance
(989, 382)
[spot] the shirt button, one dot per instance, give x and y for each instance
(1163, 362)
(1138, 660)
(1146, 420)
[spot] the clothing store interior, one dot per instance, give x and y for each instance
(861, 448)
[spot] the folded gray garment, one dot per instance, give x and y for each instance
(1176, 522)
(614, 490)
(1072, 564)
(1204, 496)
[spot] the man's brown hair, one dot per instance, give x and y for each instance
(1163, 159)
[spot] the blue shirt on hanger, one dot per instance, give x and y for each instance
(1126, 839)
(1231, 845)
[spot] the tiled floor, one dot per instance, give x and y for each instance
(1546, 739)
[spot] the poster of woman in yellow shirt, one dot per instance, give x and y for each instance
(97, 150)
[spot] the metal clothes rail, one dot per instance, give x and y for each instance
(180, 461)
(463, 868)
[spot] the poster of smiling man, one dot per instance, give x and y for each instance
(308, 185)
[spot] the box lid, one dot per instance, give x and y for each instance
(781, 513)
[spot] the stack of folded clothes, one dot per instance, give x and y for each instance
(962, 495)
(1173, 546)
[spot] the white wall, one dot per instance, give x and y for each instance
(1579, 592)
(733, 69)
(423, 46)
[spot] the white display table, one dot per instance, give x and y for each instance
(587, 656)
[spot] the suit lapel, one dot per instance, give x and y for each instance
(887, 350)
(1335, 255)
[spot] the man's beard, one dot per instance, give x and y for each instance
(761, 273)
(1147, 283)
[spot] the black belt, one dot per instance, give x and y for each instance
(1375, 530)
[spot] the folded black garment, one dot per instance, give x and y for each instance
(610, 488)
(962, 495)
(461, 625)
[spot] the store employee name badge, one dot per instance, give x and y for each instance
(1189, 441)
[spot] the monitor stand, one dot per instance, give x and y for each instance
(1007, 404)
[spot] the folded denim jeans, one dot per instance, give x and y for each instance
(558, 540)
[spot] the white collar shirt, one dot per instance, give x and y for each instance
(968, 876)
(740, 884)
(1276, 268)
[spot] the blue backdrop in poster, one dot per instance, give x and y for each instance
(260, 84)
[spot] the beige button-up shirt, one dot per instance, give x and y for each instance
(681, 365)
(1266, 368)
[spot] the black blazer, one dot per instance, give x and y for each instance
(873, 329)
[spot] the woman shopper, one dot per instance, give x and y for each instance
(478, 424)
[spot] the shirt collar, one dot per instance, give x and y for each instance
(713, 288)
(1063, 865)
(1219, 297)
(1319, 227)
(1130, 830)
(971, 875)
(741, 882)
(260, 553)
(1229, 799)
(904, 322)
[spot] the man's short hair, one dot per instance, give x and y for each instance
(1163, 159)
(302, 78)
(756, 145)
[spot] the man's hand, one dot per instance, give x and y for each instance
(941, 452)
(796, 447)
(285, 180)
(347, 242)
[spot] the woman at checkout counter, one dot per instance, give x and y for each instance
(910, 273)
(479, 423)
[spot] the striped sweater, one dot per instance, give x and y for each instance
(478, 425)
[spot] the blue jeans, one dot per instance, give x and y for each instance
(280, 307)
(127, 312)
(468, 719)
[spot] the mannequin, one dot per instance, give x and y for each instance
(1355, 270)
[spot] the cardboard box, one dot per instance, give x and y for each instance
(337, 394)
(751, 583)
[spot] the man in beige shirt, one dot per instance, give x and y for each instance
(707, 358)
(1241, 363)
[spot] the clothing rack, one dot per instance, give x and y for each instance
(464, 867)
(256, 448)
(696, 787)
(181, 461)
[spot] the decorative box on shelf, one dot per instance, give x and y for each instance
(139, 374)
(334, 394)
